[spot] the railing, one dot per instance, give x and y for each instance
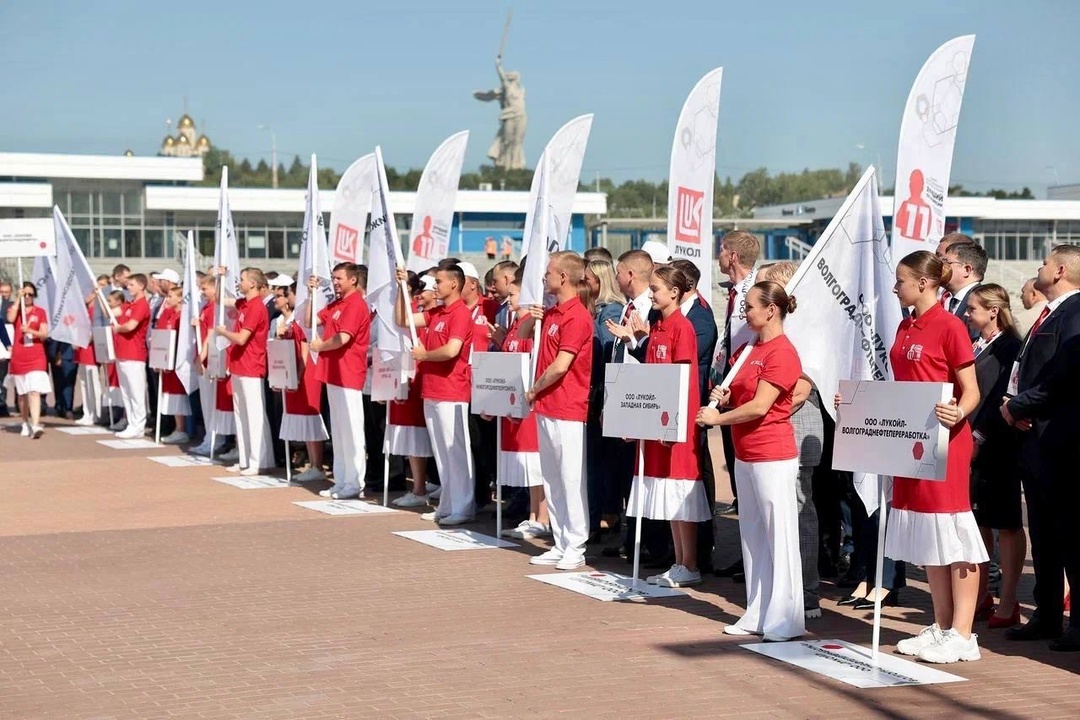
(797, 249)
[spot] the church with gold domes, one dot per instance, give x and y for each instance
(187, 142)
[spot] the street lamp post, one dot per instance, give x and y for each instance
(273, 155)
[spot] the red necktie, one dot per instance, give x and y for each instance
(628, 312)
(1038, 322)
(731, 302)
(945, 297)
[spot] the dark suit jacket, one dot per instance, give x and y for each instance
(998, 452)
(1033, 402)
(961, 311)
(1059, 443)
(4, 339)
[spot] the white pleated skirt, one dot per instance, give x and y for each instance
(34, 381)
(223, 423)
(669, 499)
(519, 469)
(935, 539)
(175, 404)
(408, 441)
(302, 428)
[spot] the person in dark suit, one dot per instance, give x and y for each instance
(995, 484)
(968, 262)
(1030, 409)
(62, 367)
(5, 342)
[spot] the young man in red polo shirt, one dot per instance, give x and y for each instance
(446, 380)
(129, 343)
(247, 367)
(342, 366)
(483, 435)
(560, 398)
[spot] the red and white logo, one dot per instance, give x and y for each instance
(914, 353)
(664, 418)
(440, 326)
(69, 320)
(345, 243)
(661, 352)
(424, 243)
(688, 205)
(513, 398)
(913, 216)
(553, 330)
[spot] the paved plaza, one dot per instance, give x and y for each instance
(133, 590)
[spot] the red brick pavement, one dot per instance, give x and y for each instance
(136, 591)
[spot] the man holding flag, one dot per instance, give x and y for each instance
(131, 355)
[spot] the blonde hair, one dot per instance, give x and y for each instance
(779, 272)
(571, 263)
(604, 272)
(745, 245)
(992, 295)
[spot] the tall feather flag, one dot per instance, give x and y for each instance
(226, 252)
(314, 254)
(186, 338)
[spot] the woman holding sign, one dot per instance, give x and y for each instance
(28, 371)
(766, 467)
(174, 396)
(302, 419)
(931, 523)
(672, 478)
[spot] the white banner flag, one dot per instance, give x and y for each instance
(927, 137)
(384, 259)
(73, 282)
(43, 275)
(433, 214)
(352, 202)
(186, 349)
(562, 161)
(226, 254)
(314, 255)
(848, 315)
(691, 177)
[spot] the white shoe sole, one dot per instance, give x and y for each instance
(547, 562)
(738, 631)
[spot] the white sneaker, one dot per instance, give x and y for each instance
(772, 637)
(527, 530)
(571, 561)
(347, 493)
(25, 432)
(455, 519)
(250, 472)
(436, 493)
(551, 557)
(85, 421)
(914, 645)
(325, 493)
(37, 431)
(433, 516)
(431, 487)
(229, 457)
(175, 438)
(310, 475)
(812, 613)
(129, 433)
(235, 467)
(202, 449)
(409, 500)
(655, 579)
(738, 631)
(680, 576)
(951, 647)
(119, 426)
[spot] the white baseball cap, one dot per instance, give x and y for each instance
(167, 274)
(470, 270)
(658, 251)
(427, 283)
(280, 281)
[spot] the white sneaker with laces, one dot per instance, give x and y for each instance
(430, 487)
(516, 532)
(130, 433)
(680, 576)
(914, 645)
(175, 438)
(433, 516)
(951, 647)
(551, 557)
(409, 500)
(38, 431)
(570, 561)
(25, 432)
(738, 631)
(655, 579)
(310, 475)
(249, 472)
(229, 457)
(85, 420)
(235, 467)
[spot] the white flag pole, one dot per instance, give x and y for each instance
(157, 419)
(288, 455)
(882, 517)
(639, 510)
(22, 305)
(386, 474)
(498, 484)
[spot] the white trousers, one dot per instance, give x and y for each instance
(132, 376)
(347, 434)
(448, 425)
(208, 401)
(90, 388)
(769, 528)
(562, 463)
(252, 425)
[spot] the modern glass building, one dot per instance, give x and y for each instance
(132, 209)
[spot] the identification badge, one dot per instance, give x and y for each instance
(1014, 380)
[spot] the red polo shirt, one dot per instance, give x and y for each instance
(249, 360)
(449, 380)
(567, 326)
(132, 345)
(27, 359)
(482, 314)
(771, 437)
(346, 366)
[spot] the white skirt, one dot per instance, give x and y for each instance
(408, 441)
(175, 405)
(668, 499)
(934, 539)
(34, 381)
(223, 423)
(519, 469)
(302, 428)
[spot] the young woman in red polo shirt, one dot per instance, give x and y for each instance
(672, 479)
(302, 419)
(931, 523)
(29, 370)
(766, 467)
(174, 396)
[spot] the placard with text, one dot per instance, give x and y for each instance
(646, 402)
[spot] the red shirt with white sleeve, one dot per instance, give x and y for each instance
(27, 359)
(568, 327)
(249, 359)
(86, 355)
(482, 314)
(673, 340)
(132, 345)
(449, 380)
(346, 366)
(771, 437)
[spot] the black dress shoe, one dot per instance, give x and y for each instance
(612, 552)
(739, 577)
(1069, 642)
(866, 603)
(730, 570)
(848, 581)
(1033, 631)
(850, 600)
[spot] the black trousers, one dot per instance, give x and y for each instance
(705, 537)
(274, 410)
(729, 458)
(483, 436)
(1051, 495)
(374, 434)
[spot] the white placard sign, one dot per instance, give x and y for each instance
(455, 539)
(281, 365)
(852, 664)
(646, 401)
(133, 444)
(104, 351)
(499, 382)
(889, 428)
(344, 507)
(181, 461)
(389, 373)
(162, 349)
(27, 237)
(605, 586)
(253, 482)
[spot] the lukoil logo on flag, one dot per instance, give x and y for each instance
(345, 241)
(688, 217)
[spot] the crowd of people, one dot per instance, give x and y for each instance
(1011, 432)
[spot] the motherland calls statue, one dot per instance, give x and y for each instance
(508, 149)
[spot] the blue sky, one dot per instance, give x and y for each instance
(805, 83)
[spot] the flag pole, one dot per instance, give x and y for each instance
(882, 518)
(498, 484)
(22, 305)
(157, 420)
(288, 455)
(639, 488)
